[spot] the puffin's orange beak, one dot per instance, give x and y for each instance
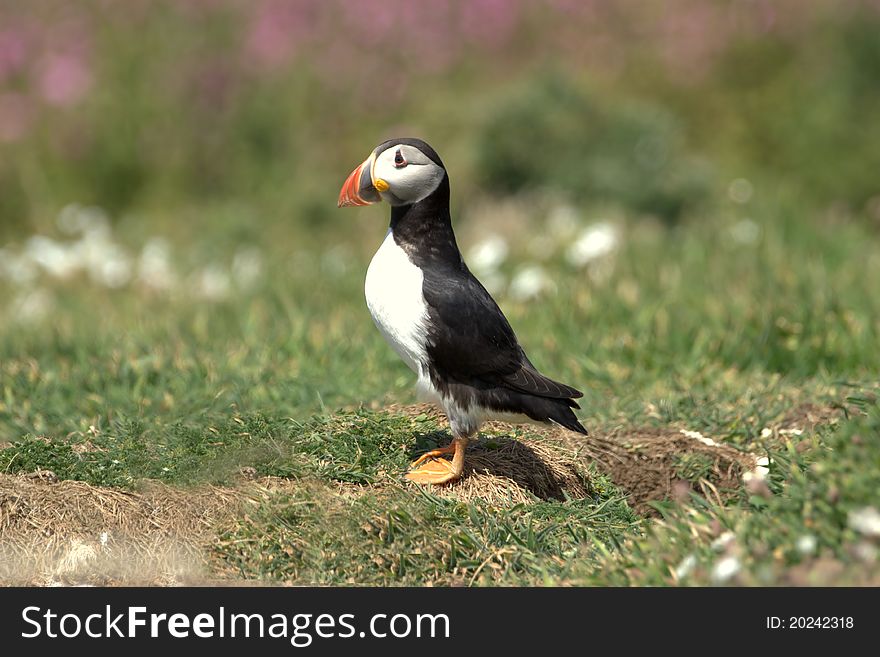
(358, 188)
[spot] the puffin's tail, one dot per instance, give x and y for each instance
(557, 411)
(565, 417)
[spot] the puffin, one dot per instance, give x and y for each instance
(438, 317)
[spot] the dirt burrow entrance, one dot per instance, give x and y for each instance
(655, 465)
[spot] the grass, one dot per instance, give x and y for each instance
(801, 531)
(680, 328)
(394, 536)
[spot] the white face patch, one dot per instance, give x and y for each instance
(411, 175)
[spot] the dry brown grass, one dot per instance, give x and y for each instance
(504, 472)
(68, 532)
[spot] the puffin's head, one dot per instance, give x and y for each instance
(400, 171)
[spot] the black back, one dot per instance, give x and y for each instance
(473, 351)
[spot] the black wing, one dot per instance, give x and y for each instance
(471, 341)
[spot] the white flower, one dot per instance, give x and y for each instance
(865, 551)
(154, 266)
(865, 521)
(486, 256)
(114, 269)
(106, 262)
(725, 569)
(806, 544)
(77, 220)
(594, 242)
(56, 259)
(686, 566)
(761, 471)
(745, 232)
(696, 435)
(762, 466)
(247, 266)
(213, 283)
(740, 191)
(723, 541)
(529, 282)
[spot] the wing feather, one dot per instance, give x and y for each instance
(472, 342)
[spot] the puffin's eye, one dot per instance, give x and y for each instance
(399, 160)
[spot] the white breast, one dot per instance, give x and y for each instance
(394, 296)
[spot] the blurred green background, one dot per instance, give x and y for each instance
(659, 193)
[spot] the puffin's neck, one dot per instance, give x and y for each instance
(424, 229)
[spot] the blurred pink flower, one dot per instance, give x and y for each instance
(375, 22)
(64, 79)
(15, 116)
(12, 53)
(572, 6)
(432, 32)
(277, 29)
(340, 61)
(689, 39)
(489, 22)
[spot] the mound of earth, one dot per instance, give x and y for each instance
(506, 472)
(649, 465)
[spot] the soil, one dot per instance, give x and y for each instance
(647, 464)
